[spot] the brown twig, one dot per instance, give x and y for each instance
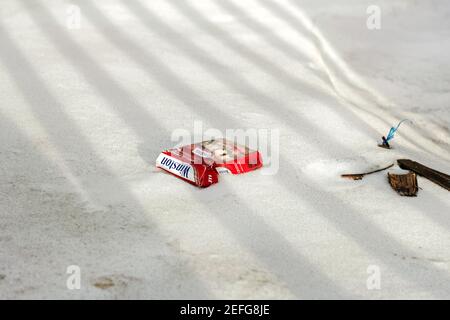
(359, 176)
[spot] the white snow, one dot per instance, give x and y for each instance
(86, 111)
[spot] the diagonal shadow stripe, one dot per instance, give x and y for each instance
(195, 17)
(265, 32)
(436, 208)
(47, 108)
(113, 93)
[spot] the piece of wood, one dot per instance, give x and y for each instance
(435, 176)
(359, 176)
(404, 184)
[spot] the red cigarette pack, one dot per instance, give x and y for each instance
(201, 163)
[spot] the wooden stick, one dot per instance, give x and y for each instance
(435, 176)
(359, 176)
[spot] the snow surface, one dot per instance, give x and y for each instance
(85, 112)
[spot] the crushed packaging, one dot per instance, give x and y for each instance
(201, 163)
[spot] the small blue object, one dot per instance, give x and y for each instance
(391, 133)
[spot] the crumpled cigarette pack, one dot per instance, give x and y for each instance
(201, 163)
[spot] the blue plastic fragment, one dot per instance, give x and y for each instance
(393, 130)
